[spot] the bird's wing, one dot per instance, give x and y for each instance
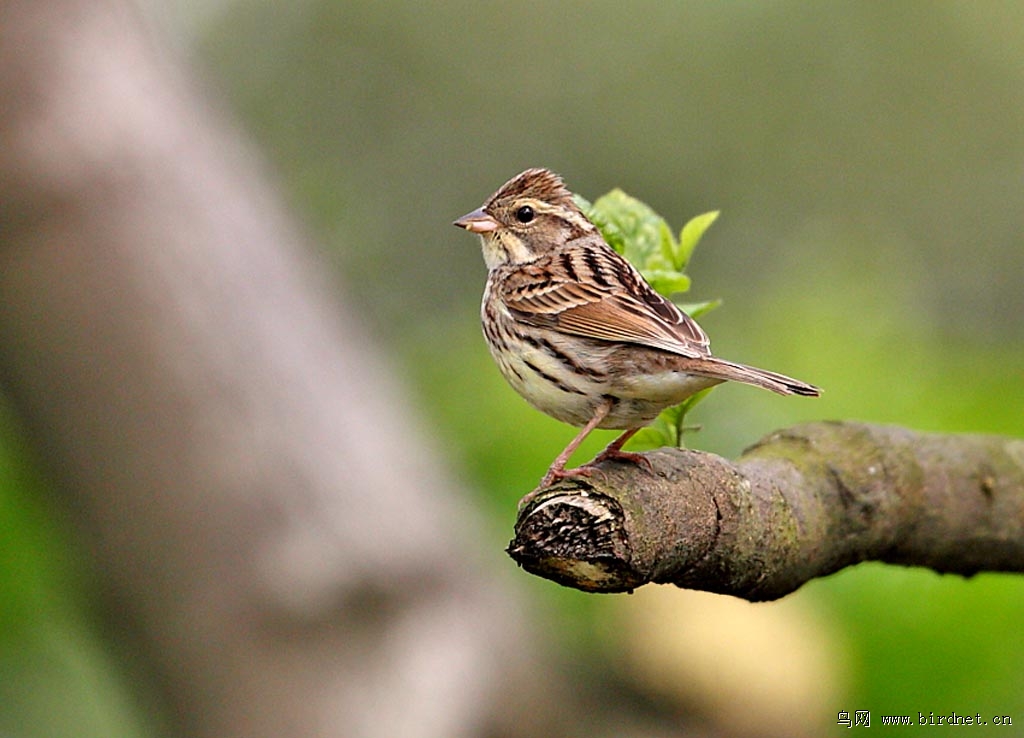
(594, 293)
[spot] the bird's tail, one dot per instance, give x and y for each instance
(731, 371)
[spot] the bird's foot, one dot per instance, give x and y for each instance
(616, 454)
(555, 475)
(587, 470)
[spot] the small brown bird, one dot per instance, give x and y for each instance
(577, 331)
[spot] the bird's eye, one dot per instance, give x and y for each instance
(524, 214)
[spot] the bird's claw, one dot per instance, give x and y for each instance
(614, 454)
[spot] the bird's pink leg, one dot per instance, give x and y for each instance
(614, 451)
(557, 468)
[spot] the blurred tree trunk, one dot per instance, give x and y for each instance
(281, 550)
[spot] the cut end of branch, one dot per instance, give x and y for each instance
(573, 535)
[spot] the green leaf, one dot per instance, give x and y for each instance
(669, 428)
(690, 236)
(667, 283)
(582, 203)
(631, 225)
(697, 309)
(655, 435)
(668, 247)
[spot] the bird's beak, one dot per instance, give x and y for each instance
(477, 222)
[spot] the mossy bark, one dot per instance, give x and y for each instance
(802, 503)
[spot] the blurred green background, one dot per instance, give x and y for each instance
(868, 160)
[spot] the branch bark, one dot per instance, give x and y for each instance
(802, 503)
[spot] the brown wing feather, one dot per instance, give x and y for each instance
(608, 300)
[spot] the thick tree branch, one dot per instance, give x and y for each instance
(802, 503)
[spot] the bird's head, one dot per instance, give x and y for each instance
(530, 215)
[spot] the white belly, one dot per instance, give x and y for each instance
(573, 399)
